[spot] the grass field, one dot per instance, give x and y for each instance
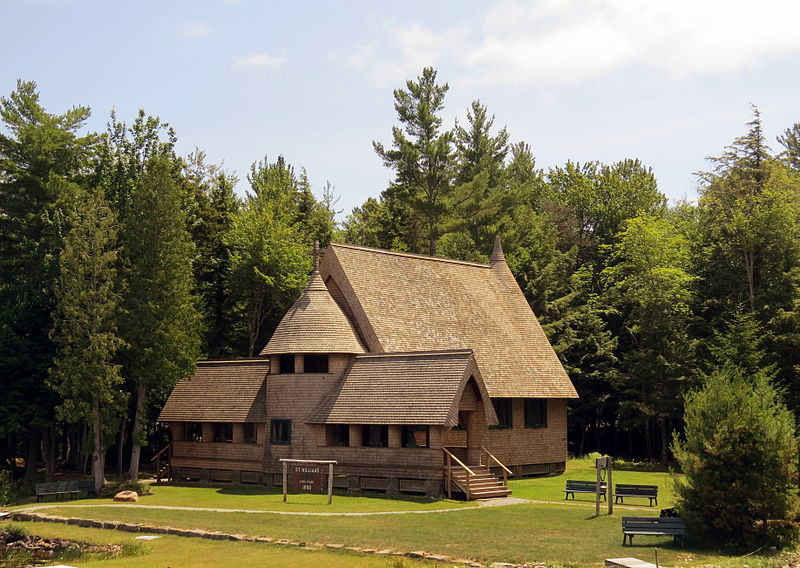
(549, 530)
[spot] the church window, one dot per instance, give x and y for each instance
(375, 436)
(286, 364)
(416, 437)
(280, 431)
(338, 434)
(193, 432)
(314, 363)
(223, 432)
(250, 433)
(502, 407)
(535, 413)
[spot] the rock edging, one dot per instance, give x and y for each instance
(217, 535)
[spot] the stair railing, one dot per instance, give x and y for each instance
(167, 466)
(452, 480)
(506, 471)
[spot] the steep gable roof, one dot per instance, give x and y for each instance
(220, 391)
(403, 388)
(314, 324)
(405, 302)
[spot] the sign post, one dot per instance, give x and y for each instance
(307, 475)
(603, 467)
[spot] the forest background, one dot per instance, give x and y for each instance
(123, 263)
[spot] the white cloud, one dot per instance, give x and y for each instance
(195, 29)
(256, 60)
(571, 41)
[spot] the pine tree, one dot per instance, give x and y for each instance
(421, 156)
(160, 320)
(84, 371)
(41, 156)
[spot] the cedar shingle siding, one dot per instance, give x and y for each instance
(410, 347)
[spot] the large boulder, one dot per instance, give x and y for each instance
(127, 497)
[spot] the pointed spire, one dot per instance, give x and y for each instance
(316, 252)
(497, 252)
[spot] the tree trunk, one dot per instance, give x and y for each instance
(32, 461)
(582, 441)
(662, 423)
(98, 451)
(121, 447)
(136, 434)
(49, 453)
(749, 264)
(648, 438)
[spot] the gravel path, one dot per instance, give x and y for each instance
(499, 502)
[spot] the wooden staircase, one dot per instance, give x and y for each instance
(163, 468)
(482, 485)
(475, 481)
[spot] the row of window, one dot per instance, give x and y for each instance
(221, 432)
(375, 436)
(534, 412)
(312, 363)
(280, 431)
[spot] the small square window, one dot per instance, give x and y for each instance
(223, 432)
(286, 364)
(375, 436)
(314, 363)
(535, 413)
(337, 434)
(503, 409)
(416, 437)
(250, 433)
(193, 432)
(280, 431)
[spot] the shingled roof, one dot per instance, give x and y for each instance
(314, 324)
(403, 388)
(405, 302)
(220, 391)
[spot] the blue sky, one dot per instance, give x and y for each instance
(666, 82)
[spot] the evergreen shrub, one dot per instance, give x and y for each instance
(739, 457)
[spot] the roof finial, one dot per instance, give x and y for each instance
(315, 253)
(497, 252)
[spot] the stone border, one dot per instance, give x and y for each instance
(217, 535)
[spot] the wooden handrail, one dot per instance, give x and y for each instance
(459, 462)
(451, 479)
(161, 451)
(506, 471)
(488, 453)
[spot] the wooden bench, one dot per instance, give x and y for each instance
(622, 490)
(574, 486)
(653, 526)
(58, 488)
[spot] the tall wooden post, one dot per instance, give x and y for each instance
(285, 480)
(330, 483)
(609, 485)
(597, 492)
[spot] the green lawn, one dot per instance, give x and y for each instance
(178, 551)
(265, 499)
(555, 531)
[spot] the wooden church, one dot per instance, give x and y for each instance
(416, 374)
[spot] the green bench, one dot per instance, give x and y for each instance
(58, 488)
(575, 486)
(622, 490)
(653, 526)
